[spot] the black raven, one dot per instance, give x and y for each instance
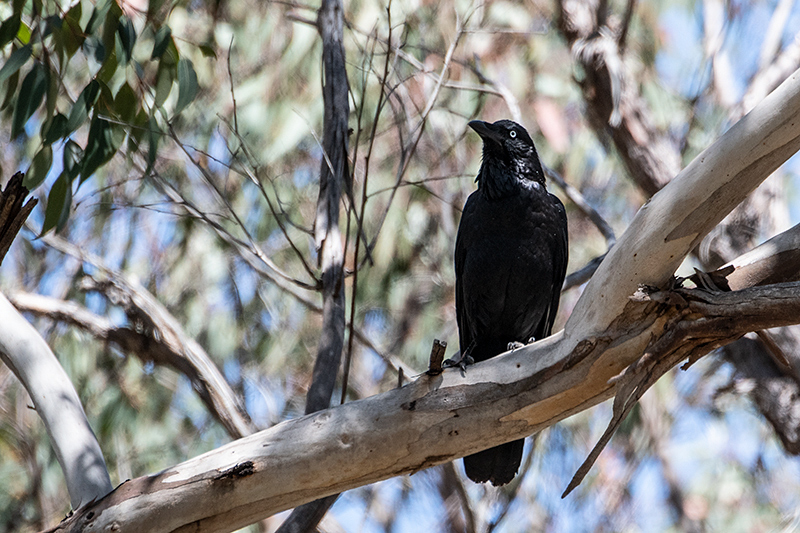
(511, 257)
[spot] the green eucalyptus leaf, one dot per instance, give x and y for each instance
(31, 93)
(9, 29)
(187, 84)
(52, 24)
(56, 130)
(24, 33)
(94, 49)
(58, 201)
(208, 50)
(52, 96)
(98, 16)
(125, 103)
(101, 146)
(72, 33)
(15, 61)
(161, 42)
(153, 136)
(109, 66)
(39, 168)
(11, 90)
(110, 25)
(71, 159)
(127, 38)
(164, 78)
(85, 102)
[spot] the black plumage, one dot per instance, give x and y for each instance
(510, 260)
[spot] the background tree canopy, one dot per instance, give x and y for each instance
(178, 148)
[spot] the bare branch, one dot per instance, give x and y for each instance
(713, 37)
(614, 106)
(333, 174)
(416, 132)
(776, 260)
(676, 220)
(770, 77)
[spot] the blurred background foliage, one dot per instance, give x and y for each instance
(178, 142)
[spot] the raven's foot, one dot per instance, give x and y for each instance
(517, 345)
(461, 363)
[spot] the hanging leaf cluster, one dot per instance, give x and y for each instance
(129, 66)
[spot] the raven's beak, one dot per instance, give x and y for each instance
(486, 131)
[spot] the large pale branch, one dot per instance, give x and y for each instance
(76, 447)
(676, 219)
(428, 422)
(649, 153)
(437, 419)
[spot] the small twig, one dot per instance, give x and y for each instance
(12, 211)
(502, 90)
(233, 96)
(773, 349)
(254, 247)
(436, 357)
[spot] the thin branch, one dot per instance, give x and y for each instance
(251, 244)
(272, 272)
(155, 340)
(583, 205)
(583, 275)
(622, 40)
(170, 343)
(770, 77)
(334, 174)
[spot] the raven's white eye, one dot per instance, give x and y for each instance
(512, 134)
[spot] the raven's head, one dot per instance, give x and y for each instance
(510, 160)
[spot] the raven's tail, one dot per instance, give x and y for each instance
(498, 465)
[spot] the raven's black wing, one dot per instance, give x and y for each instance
(465, 333)
(559, 254)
